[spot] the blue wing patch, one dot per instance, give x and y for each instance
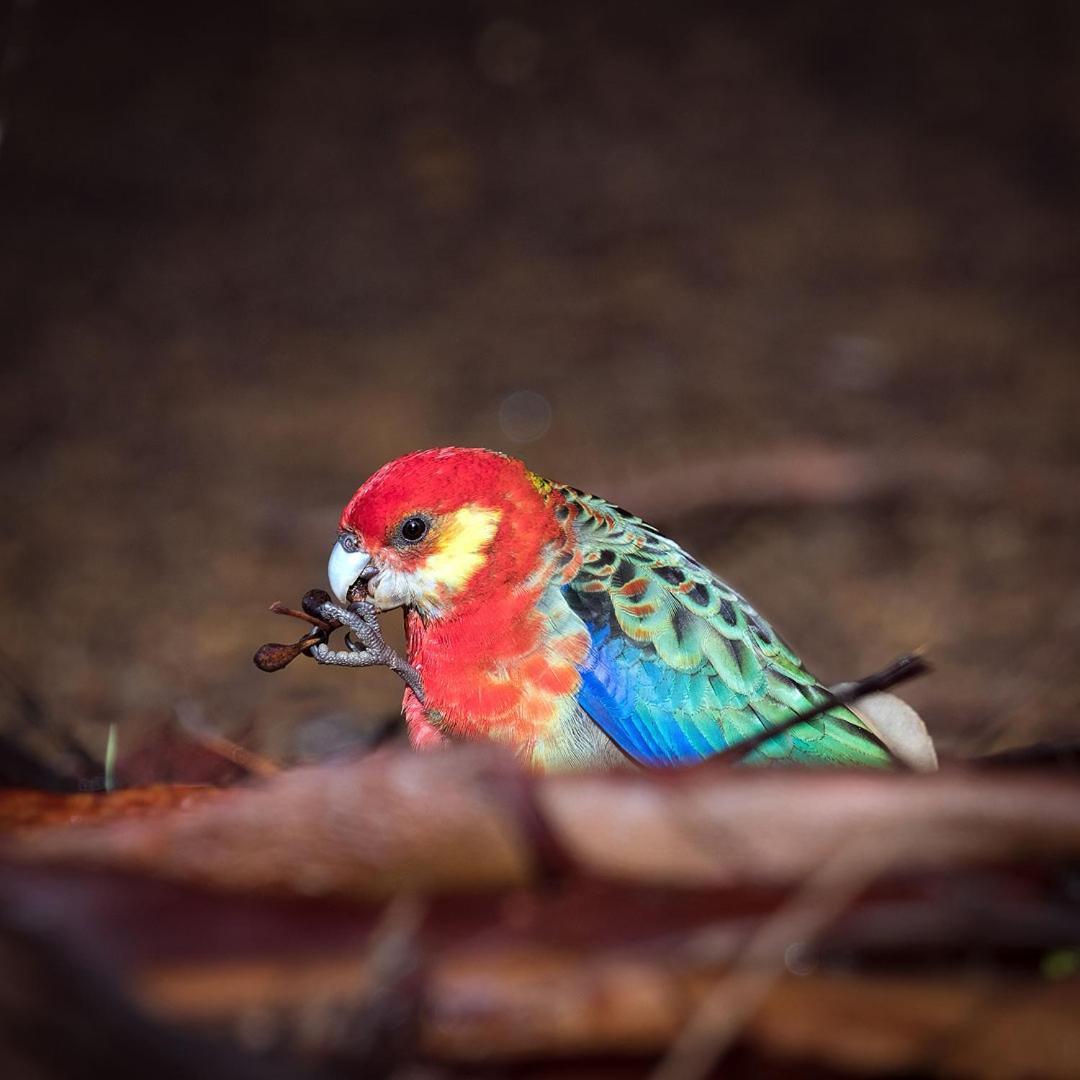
(680, 666)
(635, 701)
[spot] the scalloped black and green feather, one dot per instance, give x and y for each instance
(681, 666)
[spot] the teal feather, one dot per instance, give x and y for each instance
(681, 666)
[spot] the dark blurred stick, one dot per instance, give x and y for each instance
(62, 1016)
(33, 717)
(737, 995)
(191, 719)
(812, 474)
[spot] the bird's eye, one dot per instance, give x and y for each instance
(348, 542)
(413, 529)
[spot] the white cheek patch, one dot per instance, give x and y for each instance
(394, 588)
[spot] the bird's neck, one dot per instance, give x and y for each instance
(499, 667)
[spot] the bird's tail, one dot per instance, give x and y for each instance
(900, 728)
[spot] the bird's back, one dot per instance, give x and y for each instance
(681, 666)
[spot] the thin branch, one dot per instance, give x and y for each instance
(736, 996)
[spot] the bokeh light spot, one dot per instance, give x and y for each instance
(525, 416)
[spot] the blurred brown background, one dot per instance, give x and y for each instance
(801, 285)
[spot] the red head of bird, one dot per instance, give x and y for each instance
(438, 531)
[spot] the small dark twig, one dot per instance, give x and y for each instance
(273, 656)
(278, 608)
(908, 666)
(32, 716)
(366, 646)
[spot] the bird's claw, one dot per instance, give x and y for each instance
(365, 645)
(323, 654)
(360, 619)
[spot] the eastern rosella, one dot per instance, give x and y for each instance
(548, 619)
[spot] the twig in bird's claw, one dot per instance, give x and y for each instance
(365, 644)
(278, 608)
(274, 655)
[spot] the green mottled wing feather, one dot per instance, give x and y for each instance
(682, 667)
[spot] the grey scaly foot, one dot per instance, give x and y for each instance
(366, 646)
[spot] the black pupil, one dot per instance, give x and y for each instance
(412, 529)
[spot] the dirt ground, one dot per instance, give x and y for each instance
(828, 260)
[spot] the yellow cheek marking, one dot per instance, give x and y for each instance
(464, 536)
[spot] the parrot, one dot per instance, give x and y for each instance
(560, 625)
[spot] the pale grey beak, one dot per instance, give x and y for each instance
(347, 562)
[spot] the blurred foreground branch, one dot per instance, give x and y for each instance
(467, 819)
(863, 922)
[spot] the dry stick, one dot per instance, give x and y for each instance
(393, 947)
(900, 670)
(733, 1000)
(273, 656)
(278, 608)
(189, 717)
(370, 1021)
(253, 762)
(797, 473)
(34, 717)
(823, 895)
(1021, 709)
(325, 616)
